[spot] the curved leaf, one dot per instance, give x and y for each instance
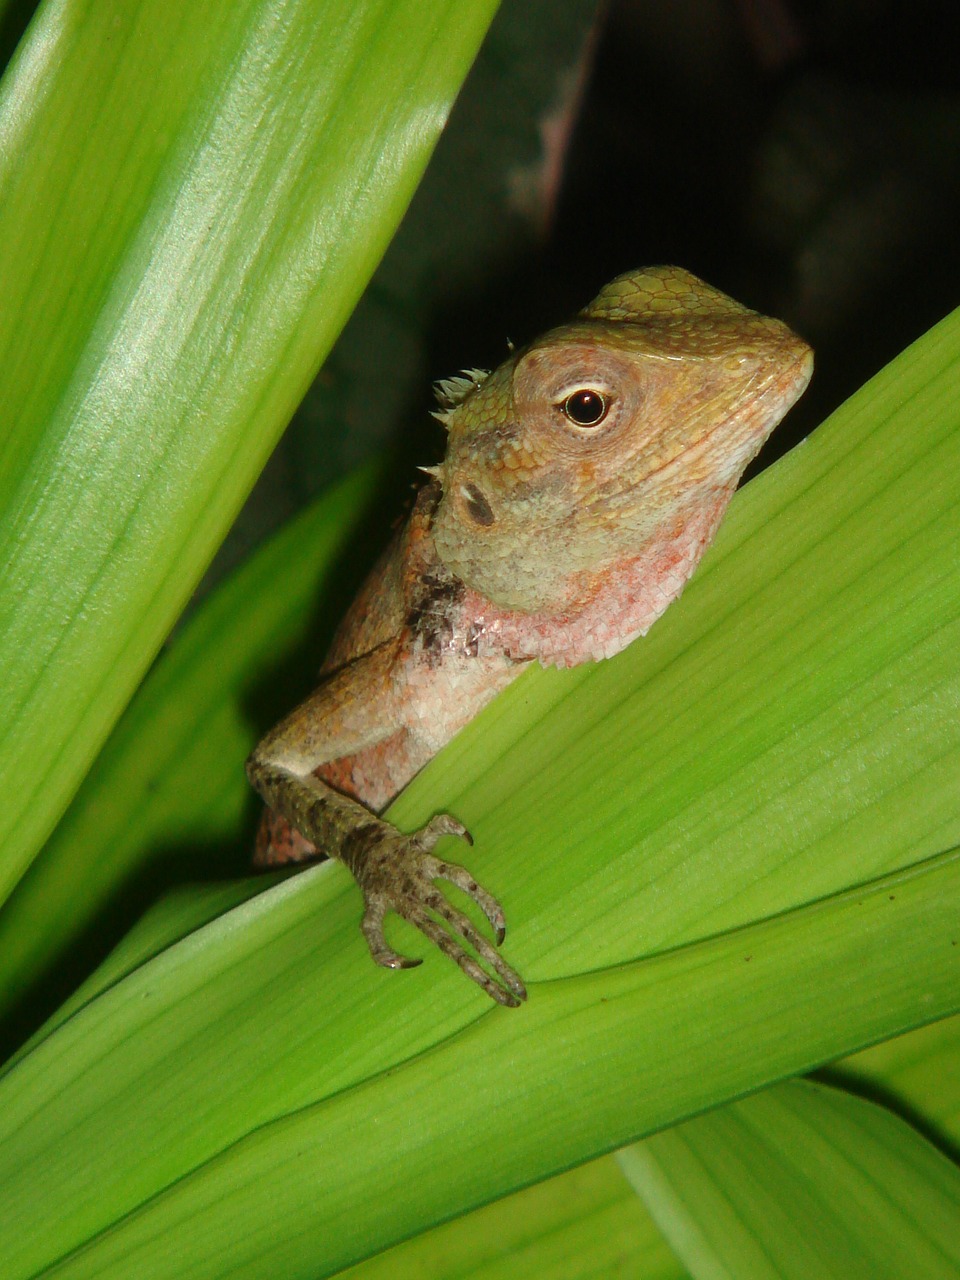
(801, 1181)
(311, 1159)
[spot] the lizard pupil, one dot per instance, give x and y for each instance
(585, 408)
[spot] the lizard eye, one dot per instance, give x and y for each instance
(585, 407)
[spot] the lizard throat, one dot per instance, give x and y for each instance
(625, 601)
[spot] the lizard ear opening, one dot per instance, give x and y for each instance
(477, 506)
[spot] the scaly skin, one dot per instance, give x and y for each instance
(582, 482)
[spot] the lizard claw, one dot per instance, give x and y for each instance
(399, 873)
(442, 824)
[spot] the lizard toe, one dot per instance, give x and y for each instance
(464, 881)
(509, 995)
(372, 928)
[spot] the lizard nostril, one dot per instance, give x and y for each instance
(478, 508)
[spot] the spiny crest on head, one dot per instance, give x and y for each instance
(451, 392)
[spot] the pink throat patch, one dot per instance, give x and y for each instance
(627, 599)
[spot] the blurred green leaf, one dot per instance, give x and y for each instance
(801, 1181)
(176, 264)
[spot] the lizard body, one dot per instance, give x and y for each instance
(582, 482)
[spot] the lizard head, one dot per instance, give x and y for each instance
(618, 436)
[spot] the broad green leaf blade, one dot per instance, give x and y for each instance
(801, 1181)
(587, 1224)
(919, 1071)
(176, 264)
(171, 773)
(120, 1103)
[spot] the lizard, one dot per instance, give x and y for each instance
(582, 481)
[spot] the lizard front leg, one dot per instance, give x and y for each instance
(395, 871)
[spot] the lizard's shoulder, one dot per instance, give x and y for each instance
(408, 597)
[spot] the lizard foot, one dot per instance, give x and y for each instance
(398, 873)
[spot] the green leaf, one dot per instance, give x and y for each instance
(564, 1227)
(918, 1071)
(226, 1107)
(801, 1181)
(176, 264)
(587, 1224)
